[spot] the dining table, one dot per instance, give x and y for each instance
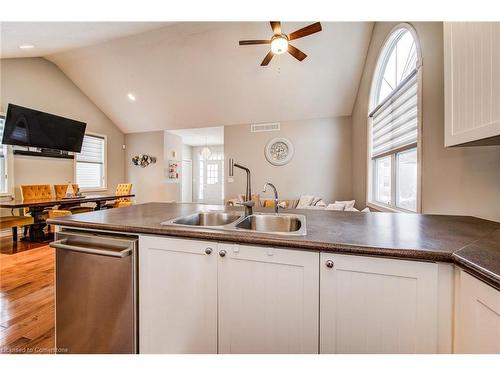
(36, 208)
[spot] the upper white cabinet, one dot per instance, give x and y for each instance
(177, 296)
(377, 305)
(477, 317)
(472, 83)
(268, 300)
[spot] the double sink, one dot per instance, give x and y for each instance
(281, 224)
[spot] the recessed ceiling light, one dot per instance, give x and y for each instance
(131, 96)
(26, 46)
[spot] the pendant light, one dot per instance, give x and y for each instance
(205, 152)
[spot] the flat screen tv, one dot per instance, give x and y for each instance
(28, 127)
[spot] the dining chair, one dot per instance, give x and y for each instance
(121, 189)
(60, 190)
(34, 192)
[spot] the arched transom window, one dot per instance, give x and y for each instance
(394, 123)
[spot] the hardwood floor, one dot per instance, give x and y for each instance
(7, 246)
(27, 300)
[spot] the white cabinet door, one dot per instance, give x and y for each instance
(478, 317)
(472, 82)
(377, 305)
(177, 296)
(268, 300)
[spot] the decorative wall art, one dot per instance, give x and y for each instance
(173, 170)
(279, 151)
(143, 160)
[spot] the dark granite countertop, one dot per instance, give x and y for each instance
(482, 258)
(468, 241)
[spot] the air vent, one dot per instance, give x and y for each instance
(269, 127)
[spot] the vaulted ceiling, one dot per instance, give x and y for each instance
(194, 74)
(53, 37)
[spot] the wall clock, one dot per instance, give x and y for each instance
(279, 151)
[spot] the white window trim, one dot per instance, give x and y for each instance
(105, 169)
(370, 202)
(9, 157)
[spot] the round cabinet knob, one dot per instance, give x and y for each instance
(222, 253)
(208, 250)
(329, 263)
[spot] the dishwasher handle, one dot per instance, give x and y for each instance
(61, 244)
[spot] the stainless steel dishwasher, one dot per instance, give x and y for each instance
(96, 292)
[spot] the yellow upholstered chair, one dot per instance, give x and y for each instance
(60, 191)
(34, 192)
(14, 222)
(57, 213)
(121, 189)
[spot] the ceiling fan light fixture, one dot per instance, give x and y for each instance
(279, 44)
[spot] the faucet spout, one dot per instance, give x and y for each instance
(275, 191)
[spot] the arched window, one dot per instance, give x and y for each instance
(394, 119)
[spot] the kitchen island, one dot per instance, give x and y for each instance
(443, 238)
(352, 279)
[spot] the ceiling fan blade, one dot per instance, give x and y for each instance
(297, 53)
(249, 42)
(267, 59)
(305, 31)
(276, 26)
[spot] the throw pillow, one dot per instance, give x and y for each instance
(335, 207)
(304, 201)
(347, 204)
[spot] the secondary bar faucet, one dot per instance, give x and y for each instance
(276, 201)
(248, 203)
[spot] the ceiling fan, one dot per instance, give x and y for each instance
(280, 43)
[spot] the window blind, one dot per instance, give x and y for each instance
(92, 150)
(90, 163)
(394, 124)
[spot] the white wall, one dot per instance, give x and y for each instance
(187, 152)
(149, 183)
(39, 84)
(172, 150)
(462, 180)
(321, 165)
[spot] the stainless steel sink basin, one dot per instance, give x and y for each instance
(206, 219)
(274, 223)
(282, 224)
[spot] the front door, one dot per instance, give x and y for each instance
(213, 181)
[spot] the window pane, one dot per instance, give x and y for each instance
(202, 180)
(212, 174)
(92, 149)
(382, 183)
(89, 175)
(407, 180)
(90, 163)
(3, 161)
(400, 62)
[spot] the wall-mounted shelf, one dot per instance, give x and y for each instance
(43, 154)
